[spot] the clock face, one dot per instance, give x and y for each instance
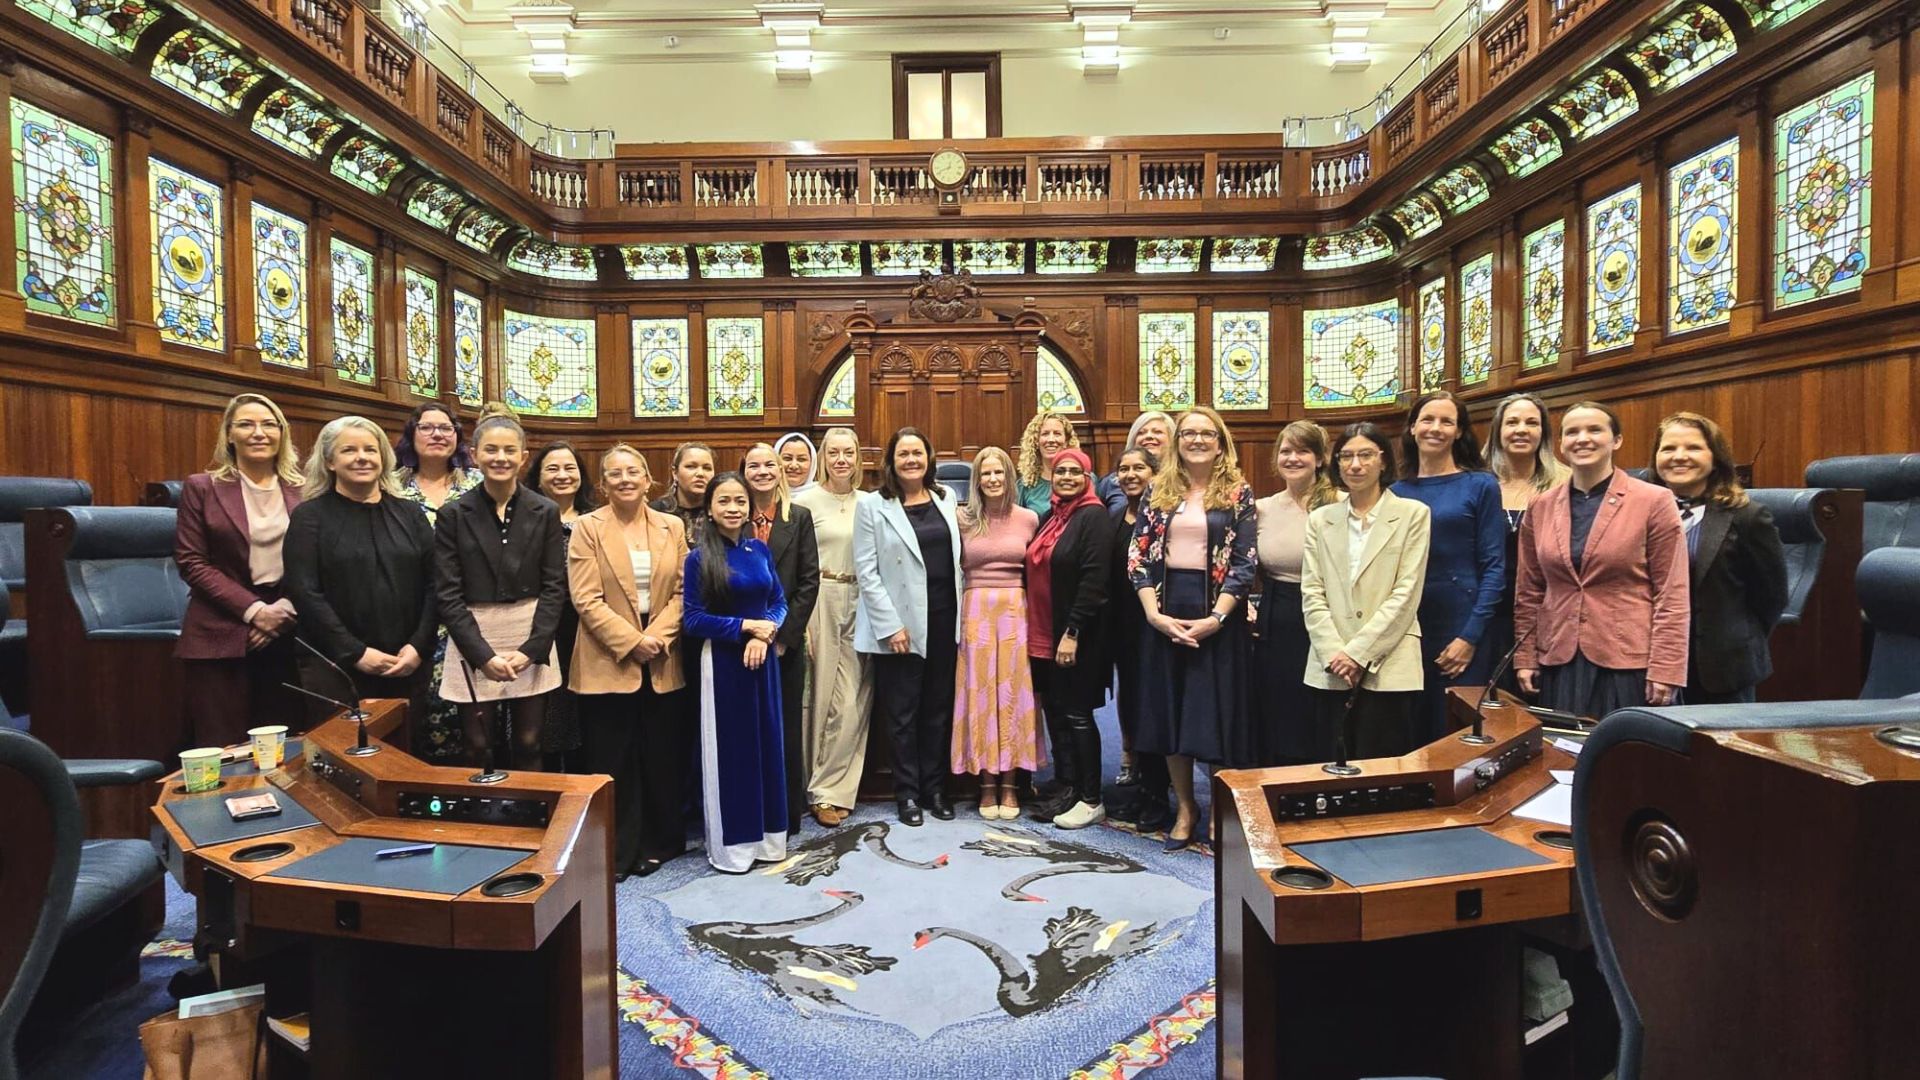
(948, 167)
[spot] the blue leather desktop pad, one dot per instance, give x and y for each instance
(206, 821)
(1378, 860)
(450, 869)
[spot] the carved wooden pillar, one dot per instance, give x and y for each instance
(136, 215)
(1654, 265)
(243, 315)
(1751, 272)
(613, 338)
(13, 306)
(1894, 270)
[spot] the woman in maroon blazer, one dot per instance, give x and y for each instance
(237, 638)
(1602, 608)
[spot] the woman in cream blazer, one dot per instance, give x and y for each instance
(1362, 572)
(634, 724)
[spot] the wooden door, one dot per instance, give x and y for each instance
(965, 390)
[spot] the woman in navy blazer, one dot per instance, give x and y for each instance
(906, 553)
(237, 637)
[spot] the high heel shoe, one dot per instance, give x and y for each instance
(1176, 844)
(990, 801)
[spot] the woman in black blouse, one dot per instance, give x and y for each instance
(501, 566)
(559, 472)
(787, 530)
(359, 569)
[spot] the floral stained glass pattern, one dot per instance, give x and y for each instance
(1355, 247)
(903, 258)
(366, 164)
(736, 367)
(833, 258)
(1596, 103)
(1416, 217)
(421, 333)
(434, 203)
(1475, 322)
(551, 366)
(1057, 390)
(205, 70)
(1544, 295)
(287, 119)
(1353, 356)
(63, 216)
(1069, 256)
(654, 262)
(189, 275)
(480, 230)
(1240, 365)
(1823, 194)
(1702, 218)
(1461, 189)
(557, 261)
(1767, 14)
(1242, 253)
(990, 256)
(839, 402)
(469, 348)
(729, 260)
(1164, 256)
(660, 365)
(1166, 360)
(280, 286)
(1613, 270)
(115, 27)
(1526, 148)
(353, 312)
(1686, 47)
(1432, 300)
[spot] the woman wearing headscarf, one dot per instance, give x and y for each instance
(1067, 567)
(796, 453)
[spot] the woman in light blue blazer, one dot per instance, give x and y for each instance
(906, 553)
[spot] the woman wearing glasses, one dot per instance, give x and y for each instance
(436, 467)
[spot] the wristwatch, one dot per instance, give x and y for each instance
(1217, 617)
(1072, 634)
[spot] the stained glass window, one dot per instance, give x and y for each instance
(1700, 249)
(280, 286)
(63, 216)
(1069, 256)
(833, 258)
(1613, 270)
(205, 70)
(1433, 334)
(422, 333)
(551, 366)
(660, 366)
(1057, 390)
(1475, 321)
(895, 258)
(990, 256)
(1596, 103)
(1685, 47)
(1526, 148)
(1544, 294)
(729, 260)
(189, 277)
(115, 27)
(557, 261)
(480, 230)
(1353, 356)
(1767, 14)
(838, 404)
(1240, 367)
(654, 262)
(353, 312)
(1823, 194)
(469, 348)
(289, 120)
(736, 367)
(1242, 253)
(1417, 216)
(434, 203)
(1355, 247)
(1166, 360)
(366, 164)
(1461, 189)
(1164, 256)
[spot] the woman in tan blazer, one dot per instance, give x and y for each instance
(1362, 572)
(623, 569)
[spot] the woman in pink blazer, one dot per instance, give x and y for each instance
(237, 637)
(1601, 610)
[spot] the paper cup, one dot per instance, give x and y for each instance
(200, 769)
(269, 746)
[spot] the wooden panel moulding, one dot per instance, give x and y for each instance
(1340, 168)
(453, 113)
(557, 182)
(1441, 98)
(902, 185)
(386, 62)
(1075, 180)
(1506, 45)
(648, 187)
(1172, 180)
(1249, 177)
(1400, 134)
(726, 185)
(323, 23)
(496, 146)
(822, 183)
(998, 182)
(1562, 15)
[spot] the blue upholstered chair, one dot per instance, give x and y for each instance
(1801, 539)
(1888, 582)
(956, 475)
(18, 494)
(121, 573)
(163, 493)
(1891, 517)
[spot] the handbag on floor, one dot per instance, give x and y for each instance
(229, 1045)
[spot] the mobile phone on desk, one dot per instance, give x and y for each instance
(243, 807)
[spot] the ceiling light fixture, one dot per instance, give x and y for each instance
(1100, 22)
(793, 25)
(547, 27)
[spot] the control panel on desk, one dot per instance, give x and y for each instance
(474, 809)
(1346, 802)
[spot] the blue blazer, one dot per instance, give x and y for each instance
(1466, 562)
(893, 575)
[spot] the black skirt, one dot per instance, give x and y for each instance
(1192, 701)
(1584, 688)
(1281, 702)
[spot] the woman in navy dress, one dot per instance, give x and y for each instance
(1466, 558)
(733, 607)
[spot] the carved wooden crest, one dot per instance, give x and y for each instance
(946, 298)
(943, 358)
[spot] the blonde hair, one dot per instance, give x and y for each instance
(1032, 470)
(1547, 469)
(286, 463)
(974, 515)
(1223, 485)
(319, 476)
(781, 496)
(859, 476)
(1312, 438)
(495, 414)
(623, 448)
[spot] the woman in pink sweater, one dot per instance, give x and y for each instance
(995, 728)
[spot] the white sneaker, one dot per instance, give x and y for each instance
(1081, 815)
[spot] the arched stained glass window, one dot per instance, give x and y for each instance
(1544, 294)
(200, 67)
(1702, 220)
(469, 348)
(435, 203)
(1433, 334)
(1057, 390)
(421, 333)
(660, 385)
(63, 223)
(1767, 14)
(1240, 365)
(1687, 46)
(280, 286)
(1166, 360)
(838, 404)
(353, 312)
(1526, 148)
(366, 164)
(1596, 103)
(736, 366)
(551, 366)
(1822, 194)
(288, 119)
(115, 27)
(189, 243)
(1475, 322)
(1353, 356)
(1613, 270)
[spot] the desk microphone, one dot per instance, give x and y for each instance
(1478, 736)
(360, 748)
(1339, 766)
(491, 774)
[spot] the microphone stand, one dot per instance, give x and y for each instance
(360, 748)
(1339, 765)
(491, 774)
(1478, 736)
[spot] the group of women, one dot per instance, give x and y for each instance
(745, 626)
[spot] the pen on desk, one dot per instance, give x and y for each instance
(403, 852)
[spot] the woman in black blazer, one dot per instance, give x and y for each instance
(1068, 564)
(1738, 576)
(787, 530)
(500, 559)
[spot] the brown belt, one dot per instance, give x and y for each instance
(844, 579)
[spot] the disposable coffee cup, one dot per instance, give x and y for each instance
(200, 769)
(269, 746)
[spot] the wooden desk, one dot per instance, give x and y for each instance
(1414, 977)
(406, 983)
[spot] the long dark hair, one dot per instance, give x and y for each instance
(716, 584)
(890, 480)
(409, 458)
(1466, 445)
(583, 500)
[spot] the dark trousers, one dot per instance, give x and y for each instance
(913, 698)
(793, 685)
(640, 739)
(226, 697)
(412, 689)
(1070, 728)
(1384, 724)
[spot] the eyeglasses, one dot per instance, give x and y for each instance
(271, 427)
(436, 429)
(1201, 436)
(1357, 457)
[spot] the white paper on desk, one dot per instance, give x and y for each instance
(1553, 806)
(1564, 776)
(1571, 746)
